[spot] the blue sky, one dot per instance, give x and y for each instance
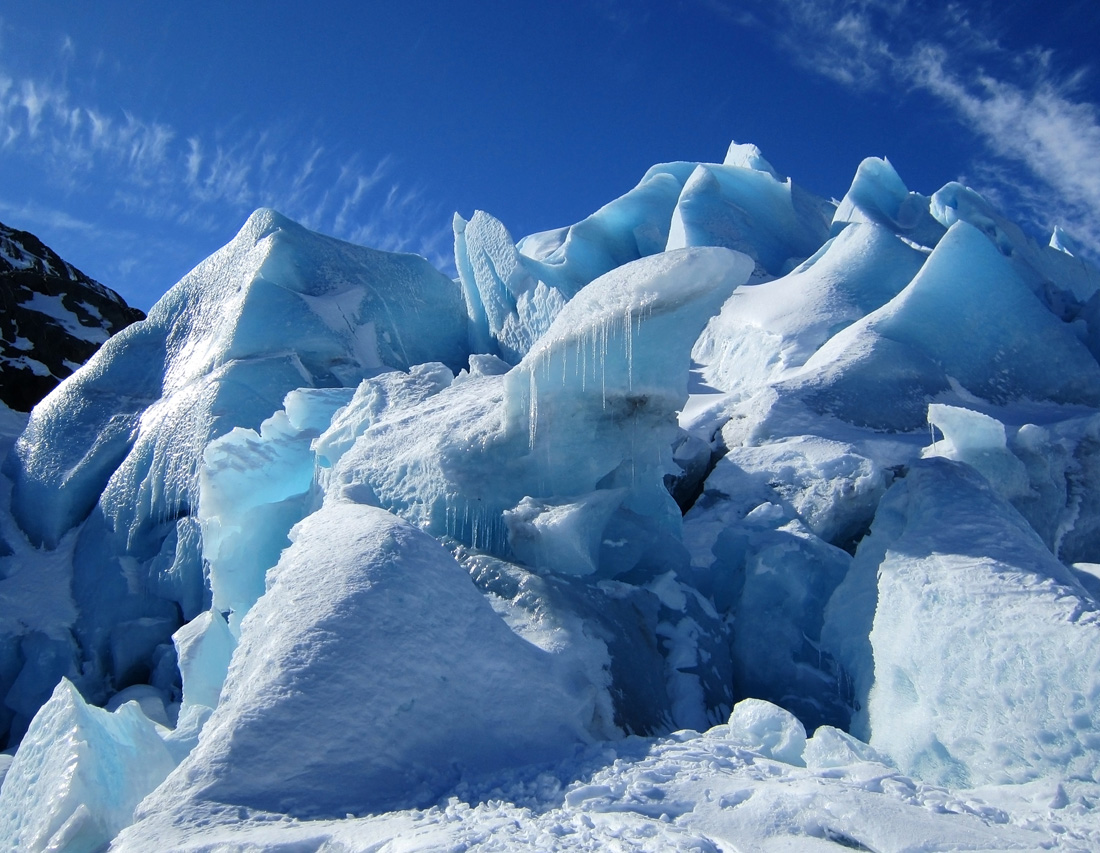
(135, 138)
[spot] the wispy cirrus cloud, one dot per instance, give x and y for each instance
(204, 181)
(1026, 112)
(1042, 126)
(181, 176)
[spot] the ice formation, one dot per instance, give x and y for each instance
(109, 465)
(725, 518)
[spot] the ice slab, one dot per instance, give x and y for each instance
(78, 775)
(974, 652)
(749, 209)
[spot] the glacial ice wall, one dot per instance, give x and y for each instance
(360, 534)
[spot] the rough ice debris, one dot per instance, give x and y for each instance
(78, 775)
(116, 450)
(245, 325)
(591, 407)
(769, 730)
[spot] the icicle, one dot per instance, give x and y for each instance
(584, 361)
(603, 362)
(532, 411)
(628, 331)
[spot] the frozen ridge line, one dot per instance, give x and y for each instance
(725, 519)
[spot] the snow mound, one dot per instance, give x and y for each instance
(348, 693)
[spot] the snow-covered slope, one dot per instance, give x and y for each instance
(725, 519)
(52, 318)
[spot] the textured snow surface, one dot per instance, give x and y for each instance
(413, 701)
(711, 791)
(725, 519)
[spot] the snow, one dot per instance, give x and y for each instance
(52, 307)
(725, 519)
(25, 362)
(944, 331)
(414, 701)
(709, 791)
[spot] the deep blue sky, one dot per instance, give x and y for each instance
(136, 137)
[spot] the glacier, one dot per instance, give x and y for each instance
(728, 517)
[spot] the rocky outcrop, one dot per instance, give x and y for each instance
(52, 318)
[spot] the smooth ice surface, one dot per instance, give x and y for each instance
(768, 329)
(253, 486)
(514, 291)
(348, 643)
(747, 208)
(879, 195)
(965, 321)
(204, 648)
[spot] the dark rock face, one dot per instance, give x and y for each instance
(52, 318)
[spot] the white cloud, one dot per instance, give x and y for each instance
(200, 179)
(1041, 126)
(1026, 115)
